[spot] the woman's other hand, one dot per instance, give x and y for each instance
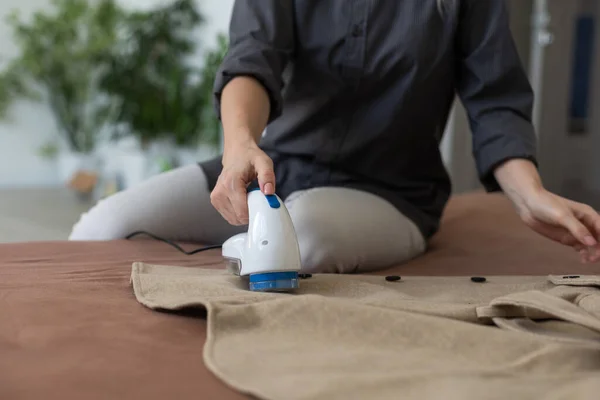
(568, 222)
(564, 221)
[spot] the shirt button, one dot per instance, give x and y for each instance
(357, 30)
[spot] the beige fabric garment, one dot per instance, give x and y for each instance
(361, 337)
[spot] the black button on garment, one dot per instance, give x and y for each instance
(304, 276)
(357, 30)
(478, 279)
(392, 278)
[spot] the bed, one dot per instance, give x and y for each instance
(70, 326)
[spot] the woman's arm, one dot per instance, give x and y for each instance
(520, 180)
(245, 107)
(562, 220)
(247, 94)
(248, 84)
(495, 90)
(493, 86)
(261, 44)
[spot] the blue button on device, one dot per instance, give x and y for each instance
(273, 202)
(271, 198)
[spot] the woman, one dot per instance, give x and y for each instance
(355, 94)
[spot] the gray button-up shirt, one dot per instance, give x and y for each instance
(361, 90)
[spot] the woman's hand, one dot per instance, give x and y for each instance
(242, 163)
(245, 108)
(559, 219)
(564, 221)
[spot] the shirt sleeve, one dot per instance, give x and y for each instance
(261, 42)
(494, 89)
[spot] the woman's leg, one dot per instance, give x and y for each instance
(174, 205)
(339, 230)
(343, 230)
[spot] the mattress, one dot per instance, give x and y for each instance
(70, 326)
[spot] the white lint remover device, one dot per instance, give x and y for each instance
(268, 253)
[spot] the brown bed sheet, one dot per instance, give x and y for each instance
(70, 327)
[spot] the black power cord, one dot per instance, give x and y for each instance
(189, 253)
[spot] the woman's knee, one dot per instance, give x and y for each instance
(336, 236)
(317, 242)
(169, 205)
(104, 221)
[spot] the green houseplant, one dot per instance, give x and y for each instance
(211, 126)
(59, 64)
(161, 95)
(209, 135)
(150, 78)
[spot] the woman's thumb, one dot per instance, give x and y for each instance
(266, 175)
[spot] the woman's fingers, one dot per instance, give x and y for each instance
(224, 207)
(265, 173)
(556, 233)
(589, 217)
(595, 256)
(569, 221)
(590, 253)
(238, 198)
(230, 195)
(220, 200)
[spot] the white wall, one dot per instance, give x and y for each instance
(570, 161)
(32, 124)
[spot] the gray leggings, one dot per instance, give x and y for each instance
(339, 230)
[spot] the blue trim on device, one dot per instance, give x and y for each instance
(274, 281)
(271, 198)
(265, 276)
(273, 201)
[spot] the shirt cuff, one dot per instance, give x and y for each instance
(519, 143)
(256, 65)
